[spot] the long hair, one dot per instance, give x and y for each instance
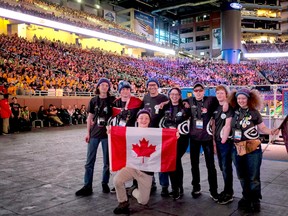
(97, 92)
(255, 101)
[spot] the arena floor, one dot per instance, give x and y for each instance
(41, 170)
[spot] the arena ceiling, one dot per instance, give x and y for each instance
(170, 9)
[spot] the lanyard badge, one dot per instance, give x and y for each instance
(199, 124)
(238, 135)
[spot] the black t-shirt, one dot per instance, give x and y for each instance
(149, 103)
(15, 108)
(174, 115)
(201, 111)
(246, 121)
(101, 108)
(126, 116)
(220, 119)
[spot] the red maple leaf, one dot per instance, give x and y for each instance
(143, 150)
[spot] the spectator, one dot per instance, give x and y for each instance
(15, 117)
(5, 113)
(52, 115)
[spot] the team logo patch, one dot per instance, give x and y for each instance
(183, 127)
(251, 133)
(209, 128)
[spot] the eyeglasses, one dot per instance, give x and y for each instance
(198, 90)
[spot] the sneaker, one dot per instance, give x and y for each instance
(181, 191)
(113, 190)
(165, 192)
(256, 206)
(105, 188)
(153, 189)
(245, 205)
(122, 208)
(196, 193)
(214, 196)
(225, 198)
(84, 191)
(175, 195)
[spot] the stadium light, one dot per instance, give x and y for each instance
(265, 55)
(77, 30)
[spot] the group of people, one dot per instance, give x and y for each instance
(266, 47)
(232, 120)
(28, 67)
(15, 118)
(74, 17)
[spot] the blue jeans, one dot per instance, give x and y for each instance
(248, 171)
(210, 164)
(164, 179)
(91, 158)
(224, 153)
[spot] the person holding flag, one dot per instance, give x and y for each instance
(137, 154)
(125, 107)
(246, 122)
(176, 117)
(100, 110)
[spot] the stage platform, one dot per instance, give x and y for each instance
(41, 170)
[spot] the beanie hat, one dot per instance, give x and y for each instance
(123, 84)
(142, 111)
(152, 80)
(178, 90)
(243, 91)
(198, 84)
(103, 80)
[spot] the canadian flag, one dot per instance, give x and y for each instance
(146, 149)
(132, 103)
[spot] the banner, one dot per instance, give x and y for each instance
(145, 149)
(109, 15)
(216, 38)
(144, 24)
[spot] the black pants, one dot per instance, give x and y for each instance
(210, 164)
(14, 124)
(176, 177)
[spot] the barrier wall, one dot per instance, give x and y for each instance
(35, 102)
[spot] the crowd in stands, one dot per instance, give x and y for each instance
(78, 18)
(30, 66)
(22, 118)
(266, 46)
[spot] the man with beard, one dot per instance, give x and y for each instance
(154, 102)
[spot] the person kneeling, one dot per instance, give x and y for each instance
(142, 191)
